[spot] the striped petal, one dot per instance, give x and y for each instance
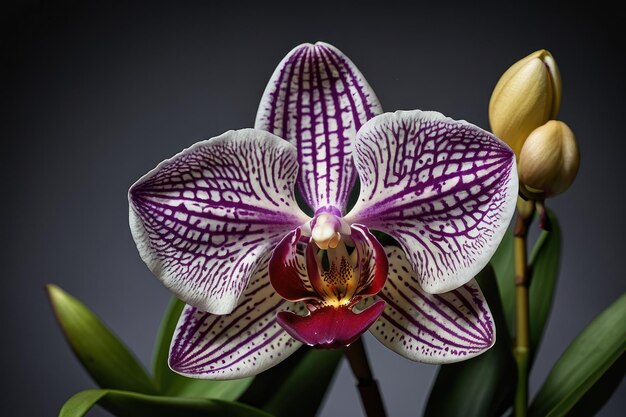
(317, 99)
(242, 343)
(428, 328)
(445, 189)
(203, 219)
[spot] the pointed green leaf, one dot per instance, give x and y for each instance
(131, 404)
(544, 273)
(204, 388)
(503, 262)
(103, 355)
(296, 386)
(79, 404)
(302, 392)
(481, 386)
(583, 363)
(173, 384)
(163, 376)
(594, 399)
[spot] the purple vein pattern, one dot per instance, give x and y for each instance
(243, 343)
(317, 99)
(445, 189)
(428, 328)
(203, 219)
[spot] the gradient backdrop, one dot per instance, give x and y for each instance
(93, 96)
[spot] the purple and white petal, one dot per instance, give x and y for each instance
(242, 343)
(317, 99)
(203, 219)
(445, 189)
(431, 328)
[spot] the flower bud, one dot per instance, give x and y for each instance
(549, 160)
(527, 95)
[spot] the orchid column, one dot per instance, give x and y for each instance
(219, 225)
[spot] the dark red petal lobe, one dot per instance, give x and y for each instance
(287, 270)
(330, 327)
(373, 261)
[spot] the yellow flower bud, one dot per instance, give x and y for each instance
(527, 95)
(549, 160)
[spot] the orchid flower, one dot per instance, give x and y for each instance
(219, 224)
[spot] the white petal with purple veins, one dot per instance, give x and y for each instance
(431, 328)
(317, 99)
(445, 189)
(203, 219)
(242, 343)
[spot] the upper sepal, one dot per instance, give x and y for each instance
(317, 99)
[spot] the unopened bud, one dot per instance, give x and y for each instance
(527, 95)
(549, 160)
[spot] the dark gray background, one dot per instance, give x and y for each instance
(94, 96)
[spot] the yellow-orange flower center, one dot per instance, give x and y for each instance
(339, 273)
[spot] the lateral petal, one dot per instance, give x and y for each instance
(444, 189)
(203, 219)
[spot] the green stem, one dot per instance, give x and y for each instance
(368, 387)
(521, 349)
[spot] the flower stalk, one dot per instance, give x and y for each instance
(521, 349)
(371, 399)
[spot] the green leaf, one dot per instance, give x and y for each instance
(503, 262)
(295, 387)
(163, 376)
(173, 384)
(131, 404)
(80, 403)
(544, 274)
(594, 399)
(204, 388)
(481, 386)
(302, 392)
(103, 355)
(583, 363)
